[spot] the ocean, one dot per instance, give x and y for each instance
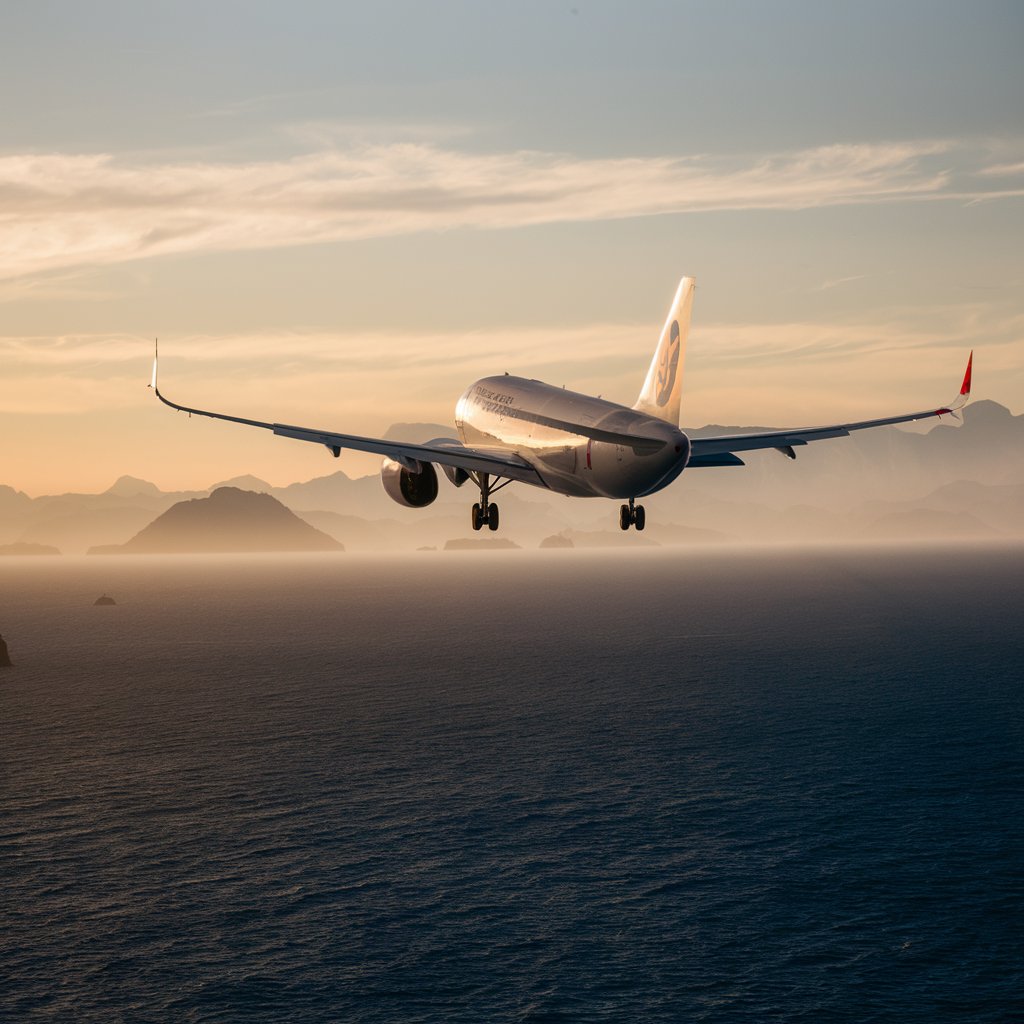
(729, 784)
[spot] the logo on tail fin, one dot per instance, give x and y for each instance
(668, 366)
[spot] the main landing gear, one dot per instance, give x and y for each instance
(484, 512)
(632, 515)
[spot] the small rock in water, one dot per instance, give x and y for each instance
(103, 599)
(5, 658)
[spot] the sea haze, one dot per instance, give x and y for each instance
(732, 785)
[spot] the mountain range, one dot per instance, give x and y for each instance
(957, 481)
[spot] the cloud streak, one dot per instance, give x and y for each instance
(59, 211)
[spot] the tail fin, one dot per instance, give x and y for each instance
(663, 386)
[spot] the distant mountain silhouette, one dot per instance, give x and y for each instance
(419, 433)
(229, 520)
(353, 531)
(246, 482)
(129, 486)
(557, 540)
(325, 492)
(12, 502)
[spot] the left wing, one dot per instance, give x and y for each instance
(719, 451)
(445, 452)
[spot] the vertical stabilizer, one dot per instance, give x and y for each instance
(663, 386)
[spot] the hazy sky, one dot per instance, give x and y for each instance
(341, 214)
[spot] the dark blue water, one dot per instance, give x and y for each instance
(730, 786)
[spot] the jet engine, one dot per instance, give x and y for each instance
(414, 488)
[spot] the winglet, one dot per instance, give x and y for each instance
(965, 392)
(156, 357)
(965, 388)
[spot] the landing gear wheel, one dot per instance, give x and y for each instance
(639, 517)
(624, 517)
(477, 517)
(492, 517)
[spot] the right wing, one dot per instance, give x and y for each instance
(720, 451)
(446, 452)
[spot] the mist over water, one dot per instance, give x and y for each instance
(731, 785)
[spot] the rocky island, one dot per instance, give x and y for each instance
(481, 544)
(26, 548)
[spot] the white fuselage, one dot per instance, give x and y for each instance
(536, 421)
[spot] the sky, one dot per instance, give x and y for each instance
(339, 215)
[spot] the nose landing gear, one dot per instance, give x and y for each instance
(632, 515)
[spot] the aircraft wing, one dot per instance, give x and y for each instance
(445, 452)
(720, 451)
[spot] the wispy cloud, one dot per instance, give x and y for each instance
(835, 282)
(1004, 170)
(60, 210)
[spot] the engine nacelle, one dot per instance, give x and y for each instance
(412, 488)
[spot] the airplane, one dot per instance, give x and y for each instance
(516, 430)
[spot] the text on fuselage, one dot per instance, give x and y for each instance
(492, 401)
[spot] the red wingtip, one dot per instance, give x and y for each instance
(965, 388)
